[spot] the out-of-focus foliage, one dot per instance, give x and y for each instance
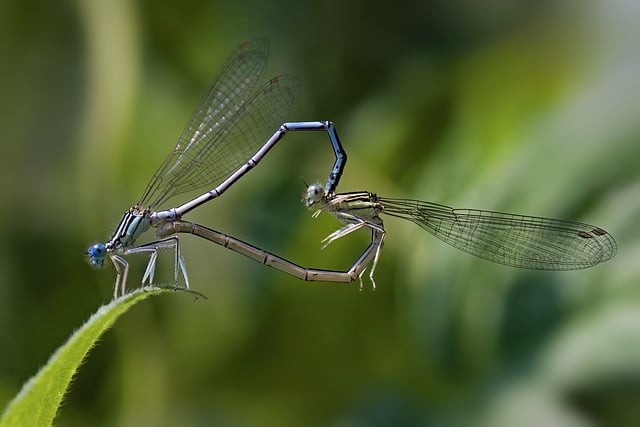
(522, 106)
(40, 398)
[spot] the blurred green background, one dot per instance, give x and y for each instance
(521, 106)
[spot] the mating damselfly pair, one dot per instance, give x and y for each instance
(234, 127)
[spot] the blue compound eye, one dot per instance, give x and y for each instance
(96, 254)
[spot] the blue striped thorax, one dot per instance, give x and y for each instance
(134, 222)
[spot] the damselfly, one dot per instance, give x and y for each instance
(515, 240)
(226, 136)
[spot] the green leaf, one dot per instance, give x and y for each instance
(41, 396)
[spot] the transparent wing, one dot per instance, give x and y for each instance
(260, 117)
(515, 240)
(224, 102)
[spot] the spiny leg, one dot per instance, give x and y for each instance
(341, 232)
(377, 241)
(151, 265)
(153, 247)
(122, 270)
(355, 223)
(361, 282)
(377, 255)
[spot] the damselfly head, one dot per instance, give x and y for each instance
(313, 195)
(96, 254)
